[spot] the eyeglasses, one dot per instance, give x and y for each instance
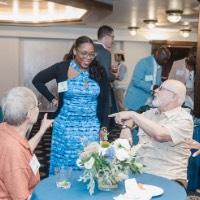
(85, 54)
(166, 89)
(37, 106)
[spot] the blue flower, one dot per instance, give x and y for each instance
(110, 153)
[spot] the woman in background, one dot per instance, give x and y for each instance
(119, 86)
(83, 102)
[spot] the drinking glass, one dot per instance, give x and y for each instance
(114, 68)
(63, 175)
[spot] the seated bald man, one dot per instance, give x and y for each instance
(162, 131)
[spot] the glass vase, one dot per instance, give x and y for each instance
(106, 185)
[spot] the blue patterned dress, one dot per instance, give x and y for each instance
(76, 120)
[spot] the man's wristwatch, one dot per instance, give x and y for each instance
(124, 126)
(104, 129)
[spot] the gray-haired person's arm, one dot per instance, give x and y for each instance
(46, 123)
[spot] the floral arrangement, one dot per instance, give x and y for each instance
(107, 163)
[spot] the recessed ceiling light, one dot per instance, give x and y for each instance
(133, 30)
(174, 16)
(3, 3)
(185, 32)
(151, 23)
(66, 13)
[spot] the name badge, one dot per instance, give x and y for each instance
(148, 78)
(179, 72)
(35, 165)
(62, 86)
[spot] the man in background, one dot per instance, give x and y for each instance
(103, 46)
(146, 77)
(105, 35)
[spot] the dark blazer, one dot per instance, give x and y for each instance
(59, 71)
(104, 59)
(1, 115)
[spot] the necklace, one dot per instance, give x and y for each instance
(86, 84)
(83, 72)
(85, 79)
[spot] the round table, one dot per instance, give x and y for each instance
(47, 190)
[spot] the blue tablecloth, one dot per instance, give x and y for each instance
(47, 190)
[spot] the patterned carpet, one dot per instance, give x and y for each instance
(193, 196)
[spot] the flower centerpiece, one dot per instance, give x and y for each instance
(107, 164)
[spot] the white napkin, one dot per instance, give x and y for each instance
(134, 192)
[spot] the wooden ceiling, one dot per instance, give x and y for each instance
(26, 7)
(117, 13)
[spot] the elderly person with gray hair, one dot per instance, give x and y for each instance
(162, 131)
(18, 165)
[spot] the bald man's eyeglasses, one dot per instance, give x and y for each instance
(166, 89)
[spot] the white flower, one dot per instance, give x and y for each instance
(122, 154)
(78, 163)
(112, 162)
(139, 165)
(122, 143)
(135, 149)
(89, 164)
(102, 151)
(89, 149)
(92, 147)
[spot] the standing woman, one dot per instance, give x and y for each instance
(83, 102)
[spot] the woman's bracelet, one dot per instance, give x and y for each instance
(124, 126)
